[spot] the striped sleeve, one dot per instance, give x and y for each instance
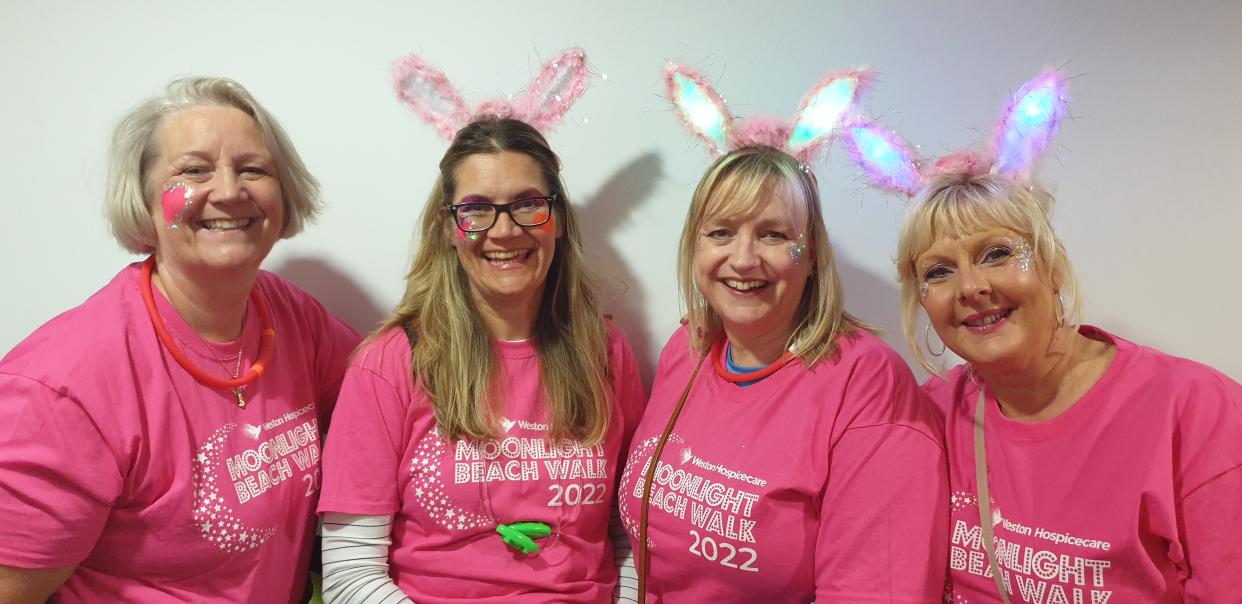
(355, 560)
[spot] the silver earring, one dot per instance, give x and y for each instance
(927, 342)
(1061, 313)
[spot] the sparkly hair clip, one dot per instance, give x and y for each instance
(544, 103)
(824, 107)
(1026, 128)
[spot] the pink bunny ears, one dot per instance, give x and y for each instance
(547, 98)
(1027, 126)
(822, 110)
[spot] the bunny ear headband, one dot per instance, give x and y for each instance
(822, 110)
(545, 101)
(1027, 126)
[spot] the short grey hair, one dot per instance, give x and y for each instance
(129, 198)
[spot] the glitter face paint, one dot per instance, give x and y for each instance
(798, 248)
(1023, 257)
(177, 201)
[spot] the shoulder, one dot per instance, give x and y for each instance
(284, 295)
(384, 353)
(1144, 369)
(676, 350)
(944, 391)
(85, 339)
(864, 355)
(618, 342)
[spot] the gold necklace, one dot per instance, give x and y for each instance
(236, 372)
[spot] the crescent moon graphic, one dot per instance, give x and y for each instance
(628, 519)
(213, 518)
(427, 486)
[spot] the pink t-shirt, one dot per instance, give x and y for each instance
(1131, 495)
(826, 484)
(113, 458)
(385, 457)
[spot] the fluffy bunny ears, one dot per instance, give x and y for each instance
(547, 98)
(1022, 137)
(822, 110)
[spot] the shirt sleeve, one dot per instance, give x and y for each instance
(355, 560)
(883, 521)
(1210, 427)
(363, 449)
(58, 477)
(335, 342)
(1213, 539)
(630, 394)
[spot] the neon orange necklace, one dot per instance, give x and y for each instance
(726, 375)
(267, 341)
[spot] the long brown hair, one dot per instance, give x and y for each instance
(453, 357)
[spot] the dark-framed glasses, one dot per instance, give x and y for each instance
(478, 216)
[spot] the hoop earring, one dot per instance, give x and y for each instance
(927, 342)
(1061, 311)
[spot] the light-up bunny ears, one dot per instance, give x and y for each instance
(1026, 128)
(822, 110)
(430, 94)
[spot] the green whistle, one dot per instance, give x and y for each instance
(521, 535)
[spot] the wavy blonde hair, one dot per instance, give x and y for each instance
(453, 357)
(958, 204)
(735, 184)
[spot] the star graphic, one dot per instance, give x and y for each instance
(207, 527)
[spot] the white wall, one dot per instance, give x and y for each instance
(1148, 206)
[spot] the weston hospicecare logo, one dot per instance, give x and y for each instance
(252, 431)
(507, 423)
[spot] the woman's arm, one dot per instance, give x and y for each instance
(31, 585)
(884, 517)
(355, 560)
(623, 554)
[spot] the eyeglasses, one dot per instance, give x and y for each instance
(478, 216)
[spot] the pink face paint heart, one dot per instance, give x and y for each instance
(463, 234)
(176, 201)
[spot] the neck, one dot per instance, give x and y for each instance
(1052, 385)
(510, 320)
(757, 350)
(214, 309)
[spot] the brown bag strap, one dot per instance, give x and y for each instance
(985, 500)
(649, 477)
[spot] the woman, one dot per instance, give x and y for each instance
(473, 456)
(1108, 467)
(801, 460)
(162, 439)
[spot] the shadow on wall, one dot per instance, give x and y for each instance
(602, 214)
(876, 299)
(335, 290)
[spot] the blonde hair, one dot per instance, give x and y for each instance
(957, 204)
(129, 196)
(453, 359)
(735, 184)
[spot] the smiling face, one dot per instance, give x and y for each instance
(744, 268)
(235, 213)
(986, 300)
(507, 265)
